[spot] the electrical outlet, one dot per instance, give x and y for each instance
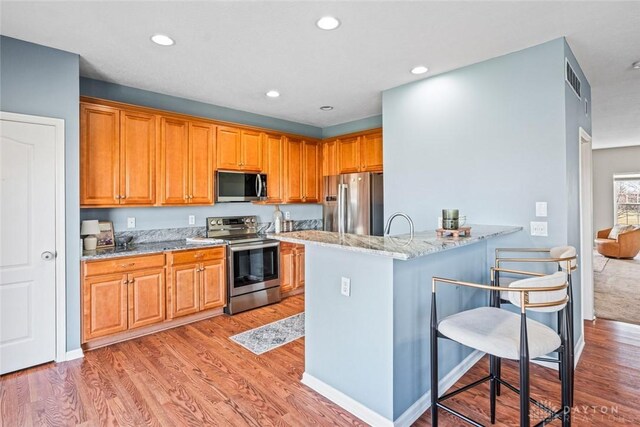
(541, 209)
(539, 228)
(192, 219)
(287, 215)
(131, 222)
(345, 287)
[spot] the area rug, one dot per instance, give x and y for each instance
(273, 335)
(599, 262)
(617, 290)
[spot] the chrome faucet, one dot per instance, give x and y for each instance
(387, 227)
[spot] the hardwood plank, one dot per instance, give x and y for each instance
(195, 375)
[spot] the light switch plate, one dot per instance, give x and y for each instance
(131, 222)
(541, 209)
(287, 215)
(345, 287)
(192, 219)
(539, 228)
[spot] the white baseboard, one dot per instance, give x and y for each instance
(351, 405)
(417, 409)
(74, 354)
(578, 350)
(410, 415)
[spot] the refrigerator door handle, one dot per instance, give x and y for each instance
(342, 208)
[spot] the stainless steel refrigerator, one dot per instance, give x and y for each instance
(353, 203)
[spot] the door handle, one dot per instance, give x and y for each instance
(47, 256)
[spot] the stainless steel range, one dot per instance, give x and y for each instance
(253, 263)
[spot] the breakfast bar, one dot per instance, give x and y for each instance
(367, 308)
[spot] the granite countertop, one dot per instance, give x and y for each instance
(145, 249)
(398, 247)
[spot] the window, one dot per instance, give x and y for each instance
(626, 199)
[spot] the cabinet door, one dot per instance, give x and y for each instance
(185, 290)
(349, 155)
(310, 172)
(99, 155)
(287, 268)
(293, 180)
(228, 153)
(201, 147)
(371, 152)
(299, 262)
(174, 161)
(329, 159)
(213, 285)
(137, 158)
(104, 305)
(146, 298)
(274, 167)
(251, 157)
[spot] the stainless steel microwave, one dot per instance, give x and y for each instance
(240, 186)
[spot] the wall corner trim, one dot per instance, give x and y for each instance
(72, 355)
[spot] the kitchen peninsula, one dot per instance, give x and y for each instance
(368, 350)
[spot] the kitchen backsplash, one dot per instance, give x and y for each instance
(166, 234)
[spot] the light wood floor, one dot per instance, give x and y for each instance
(194, 375)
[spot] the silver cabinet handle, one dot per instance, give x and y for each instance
(47, 256)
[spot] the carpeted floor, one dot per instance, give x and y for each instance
(617, 288)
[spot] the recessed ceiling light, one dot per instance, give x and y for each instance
(162, 40)
(328, 23)
(273, 94)
(420, 69)
(636, 65)
(326, 108)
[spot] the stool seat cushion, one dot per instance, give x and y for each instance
(496, 331)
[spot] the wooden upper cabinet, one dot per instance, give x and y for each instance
(329, 158)
(274, 167)
(228, 154)
(294, 170)
(311, 172)
(349, 155)
(146, 298)
(371, 152)
(174, 161)
(251, 150)
(239, 149)
(99, 155)
(137, 158)
(201, 147)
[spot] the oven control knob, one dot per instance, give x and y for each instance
(213, 222)
(219, 222)
(253, 220)
(247, 220)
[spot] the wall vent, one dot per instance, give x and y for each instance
(573, 80)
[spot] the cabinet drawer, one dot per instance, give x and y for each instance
(197, 255)
(93, 268)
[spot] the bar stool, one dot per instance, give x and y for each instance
(503, 334)
(566, 259)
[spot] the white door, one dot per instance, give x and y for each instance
(27, 244)
(586, 225)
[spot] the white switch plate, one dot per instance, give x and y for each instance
(131, 222)
(345, 287)
(287, 215)
(541, 209)
(539, 228)
(192, 219)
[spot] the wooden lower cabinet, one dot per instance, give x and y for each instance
(104, 305)
(291, 267)
(146, 297)
(197, 281)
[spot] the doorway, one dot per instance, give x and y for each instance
(32, 242)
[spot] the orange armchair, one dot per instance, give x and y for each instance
(626, 246)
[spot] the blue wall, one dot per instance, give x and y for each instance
(116, 92)
(41, 81)
(354, 126)
(489, 139)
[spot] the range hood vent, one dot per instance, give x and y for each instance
(573, 80)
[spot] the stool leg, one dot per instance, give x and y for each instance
(524, 372)
(434, 362)
(567, 368)
(570, 348)
(492, 387)
(498, 375)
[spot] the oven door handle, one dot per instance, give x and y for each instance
(237, 248)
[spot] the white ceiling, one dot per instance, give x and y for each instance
(231, 53)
